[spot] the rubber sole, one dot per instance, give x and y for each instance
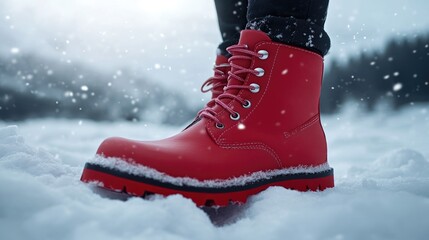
(141, 186)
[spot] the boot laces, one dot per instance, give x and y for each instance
(238, 72)
(218, 81)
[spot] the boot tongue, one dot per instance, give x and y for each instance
(222, 65)
(253, 37)
(221, 60)
(249, 38)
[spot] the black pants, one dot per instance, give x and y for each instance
(294, 22)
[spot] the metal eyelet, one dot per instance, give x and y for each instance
(260, 71)
(263, 54)
(255, 88)
(247, 104)
(219, 125)
(235, 116)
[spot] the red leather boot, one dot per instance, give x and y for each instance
(263, 130)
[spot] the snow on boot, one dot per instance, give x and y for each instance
(263, 130)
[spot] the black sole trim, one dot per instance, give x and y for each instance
(186, 188)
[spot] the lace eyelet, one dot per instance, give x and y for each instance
(235, 116)
(247, 104)
(219, 125)
(263, 54)
(255, 88)
(260, 71)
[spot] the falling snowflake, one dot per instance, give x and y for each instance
(14, 50)
(397, 87)
(284, 72)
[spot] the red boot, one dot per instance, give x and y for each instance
(263, 131)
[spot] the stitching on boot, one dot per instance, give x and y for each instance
(255, 146)
(302, 127)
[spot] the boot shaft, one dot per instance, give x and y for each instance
(284, 113)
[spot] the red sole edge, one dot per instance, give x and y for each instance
(141, 189)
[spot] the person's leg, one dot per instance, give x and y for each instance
(298, 23)
(231, 15)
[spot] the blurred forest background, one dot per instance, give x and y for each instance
(35, 84)
(397, 75)
(32, 86)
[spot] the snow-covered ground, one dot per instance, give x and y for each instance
(382, 187)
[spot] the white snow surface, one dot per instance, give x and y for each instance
(381, 171)
(143, 171)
